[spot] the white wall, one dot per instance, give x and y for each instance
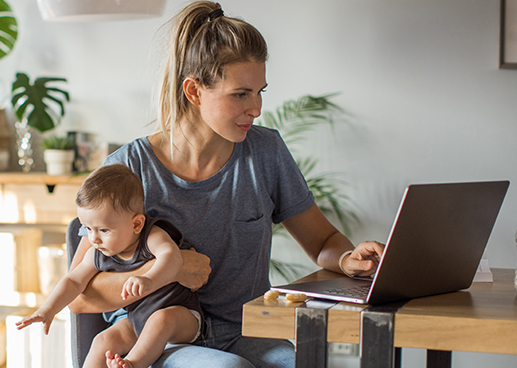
(420, 78)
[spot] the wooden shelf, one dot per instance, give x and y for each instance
(40, 178)
(38, 198)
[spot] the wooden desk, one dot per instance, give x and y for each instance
(480, 319)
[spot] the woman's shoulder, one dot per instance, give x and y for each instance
(266, 138)
(260, 131)
(129, 152)
(264, 145)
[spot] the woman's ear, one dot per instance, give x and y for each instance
(138, 223)
(191, 90)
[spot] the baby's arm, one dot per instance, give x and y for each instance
(168, 263)
(65, 292)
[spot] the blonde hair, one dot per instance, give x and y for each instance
(201, 47)
(115, 185)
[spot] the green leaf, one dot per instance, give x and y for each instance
(42, 105)
(294, 118)
(8, 29)
(58, 143)
(288, 271)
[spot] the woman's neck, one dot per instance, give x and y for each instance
(197, 155)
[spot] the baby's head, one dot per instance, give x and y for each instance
(110, 204)
(115, 186)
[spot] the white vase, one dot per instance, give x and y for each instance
(59, 162)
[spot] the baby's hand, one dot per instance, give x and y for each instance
(36, 317)
(136, 286)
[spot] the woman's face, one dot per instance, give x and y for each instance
(231, 105)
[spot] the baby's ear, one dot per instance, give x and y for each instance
(138, 223)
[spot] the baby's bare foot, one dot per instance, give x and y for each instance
(116, 361)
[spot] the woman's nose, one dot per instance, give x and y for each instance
(255, 107)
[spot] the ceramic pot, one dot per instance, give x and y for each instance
(59, 162)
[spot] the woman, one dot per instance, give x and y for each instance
(223, 181)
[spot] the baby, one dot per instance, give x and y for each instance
(110, 205)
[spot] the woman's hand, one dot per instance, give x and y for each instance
(363, 260)
(195, 271)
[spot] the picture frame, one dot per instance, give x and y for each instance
(508, 35)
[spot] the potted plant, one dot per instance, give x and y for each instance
(58, 153)
(38, 106)
(294, 119)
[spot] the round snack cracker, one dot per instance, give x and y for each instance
(271, 295)
(296, 297)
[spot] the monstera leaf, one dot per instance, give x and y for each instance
(43, 99)
(8, 29)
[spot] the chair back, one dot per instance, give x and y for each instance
(85, 326)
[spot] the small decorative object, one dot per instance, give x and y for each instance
(35, 106)
(8, 29)
(84, 147)
(4, 141)
(58, 153)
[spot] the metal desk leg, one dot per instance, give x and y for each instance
(439, 359)
(398, 358)
(311, 334)
(377, 328)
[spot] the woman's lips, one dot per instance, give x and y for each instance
(244, 127)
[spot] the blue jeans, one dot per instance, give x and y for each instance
(224, 347)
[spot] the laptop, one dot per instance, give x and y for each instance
(435, 245)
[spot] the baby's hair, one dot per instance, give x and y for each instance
(115, 185)
(201, 46)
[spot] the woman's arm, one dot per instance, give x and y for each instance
(98, 296)
(164, 270)
(324, 244)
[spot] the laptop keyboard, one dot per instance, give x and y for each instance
(358, 291)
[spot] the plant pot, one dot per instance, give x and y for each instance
(59, 162)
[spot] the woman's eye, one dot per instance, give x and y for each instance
(104, 231)
(240, 95)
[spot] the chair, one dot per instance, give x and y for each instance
(86, 325)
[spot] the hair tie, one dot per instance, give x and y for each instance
(215, 14)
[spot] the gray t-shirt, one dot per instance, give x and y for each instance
(228, 217)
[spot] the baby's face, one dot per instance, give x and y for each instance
(109, 231)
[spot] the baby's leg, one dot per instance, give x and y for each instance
(174, 324)
(119, 338)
